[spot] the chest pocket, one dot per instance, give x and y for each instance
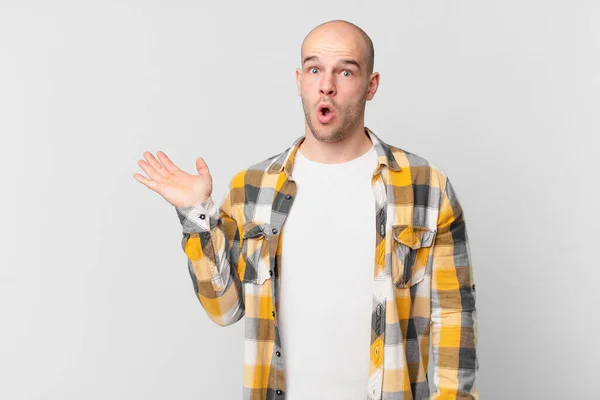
(255, 252)
(411, 246)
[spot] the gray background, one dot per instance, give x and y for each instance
(95, 297)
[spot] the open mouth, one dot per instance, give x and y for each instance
(325, 114)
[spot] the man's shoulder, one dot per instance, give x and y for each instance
(256, 171)
(417, 163)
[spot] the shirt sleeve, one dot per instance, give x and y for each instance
(198, 218)
(211, 242)
(453, 313)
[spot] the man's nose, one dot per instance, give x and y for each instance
(327, 87)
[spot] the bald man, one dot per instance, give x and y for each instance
(348, 256)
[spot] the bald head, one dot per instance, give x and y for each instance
(342, 28)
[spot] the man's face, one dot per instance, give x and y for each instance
(334, 72)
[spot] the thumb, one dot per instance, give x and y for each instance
(201, 166)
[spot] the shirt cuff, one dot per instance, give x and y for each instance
(198, 218)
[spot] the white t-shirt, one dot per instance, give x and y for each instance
(327, 263)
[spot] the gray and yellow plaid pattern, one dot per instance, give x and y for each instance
(423, 286)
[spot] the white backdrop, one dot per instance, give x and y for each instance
(95, 297)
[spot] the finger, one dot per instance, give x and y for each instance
(202, 165)
(155, 164)
(150, 171)
(147, 182)
(169, 165)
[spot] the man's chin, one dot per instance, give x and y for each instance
(326, 135)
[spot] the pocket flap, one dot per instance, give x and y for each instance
(255, 252)
(410, 253)
(253, 229)
(414, 237)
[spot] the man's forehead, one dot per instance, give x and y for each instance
(337, 47)
(333, 48)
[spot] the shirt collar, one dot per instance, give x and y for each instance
(285, 161)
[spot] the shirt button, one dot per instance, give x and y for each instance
(273, 312)
(288, 196)
(270, 272)
(278, 353)
(279, 392)
(202, 216)
(274, 230)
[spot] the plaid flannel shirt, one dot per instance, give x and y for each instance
(423, 284)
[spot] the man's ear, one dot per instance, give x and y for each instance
(299, 80)
(373, 85)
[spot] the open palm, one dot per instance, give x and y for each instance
(176, 186)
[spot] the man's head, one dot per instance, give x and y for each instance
(337, 60)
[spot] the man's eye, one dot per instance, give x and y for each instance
(312, 69)
(348, 72)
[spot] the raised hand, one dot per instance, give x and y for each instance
(176, 186)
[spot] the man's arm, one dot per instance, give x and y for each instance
(212, 242)
(453, 312)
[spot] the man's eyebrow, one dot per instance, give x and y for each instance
(345, 61)
(351, 62)
(309, 58)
